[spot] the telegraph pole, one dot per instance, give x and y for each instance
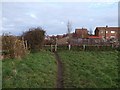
(69, 27)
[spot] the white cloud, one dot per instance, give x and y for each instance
(19, 20)
(33, 16)
(7, 28)
(4, 19)
(101, 4)
(62, 22)
(91, 19)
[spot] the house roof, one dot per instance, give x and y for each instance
(107, 28)
(95, 37)
(79, 29)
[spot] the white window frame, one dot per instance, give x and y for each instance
(112, 36)
(112, 31)
(106, 31)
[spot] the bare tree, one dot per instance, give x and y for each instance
(91, 31)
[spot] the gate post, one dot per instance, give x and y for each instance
(51, 47)
(69, 46)
(83, 47)
(56, 47)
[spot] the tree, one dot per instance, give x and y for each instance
(91, 31)
(35, 38)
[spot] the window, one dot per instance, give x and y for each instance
(112, 31)
(106, 31)
(103, 36)
(107, 37)
(112, 36)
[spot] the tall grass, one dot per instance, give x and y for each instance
(37, 70)
(90, 69)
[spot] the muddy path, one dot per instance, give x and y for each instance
(59, 83)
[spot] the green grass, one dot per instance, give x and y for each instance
(37, 70)
(1, 74)
(90, 69)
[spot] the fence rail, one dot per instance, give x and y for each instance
(79, 47)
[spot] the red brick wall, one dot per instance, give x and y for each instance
(81, 33)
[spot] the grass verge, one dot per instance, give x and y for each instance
(37, 70)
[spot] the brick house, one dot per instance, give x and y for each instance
(81, 33)
(107, 32)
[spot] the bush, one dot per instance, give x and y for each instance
(12, 47)
(35, 38)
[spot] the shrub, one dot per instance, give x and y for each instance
(12, 47)
(35, 38)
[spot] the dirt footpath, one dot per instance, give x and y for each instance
(59, 71)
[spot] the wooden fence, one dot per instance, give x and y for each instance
(79, 47)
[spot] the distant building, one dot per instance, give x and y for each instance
(107, 32)
(62, 41)
(47, 37)
(94, 37)
(81, 33)
(59, 36)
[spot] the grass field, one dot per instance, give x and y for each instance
(37, 70)
(90, 69)
(82, 69)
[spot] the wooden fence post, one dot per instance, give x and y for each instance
(69, 46)
(83, 47)
(51, 47)
(26, 45)
(56, 47)
(112, 45)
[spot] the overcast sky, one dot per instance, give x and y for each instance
(53, 17)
